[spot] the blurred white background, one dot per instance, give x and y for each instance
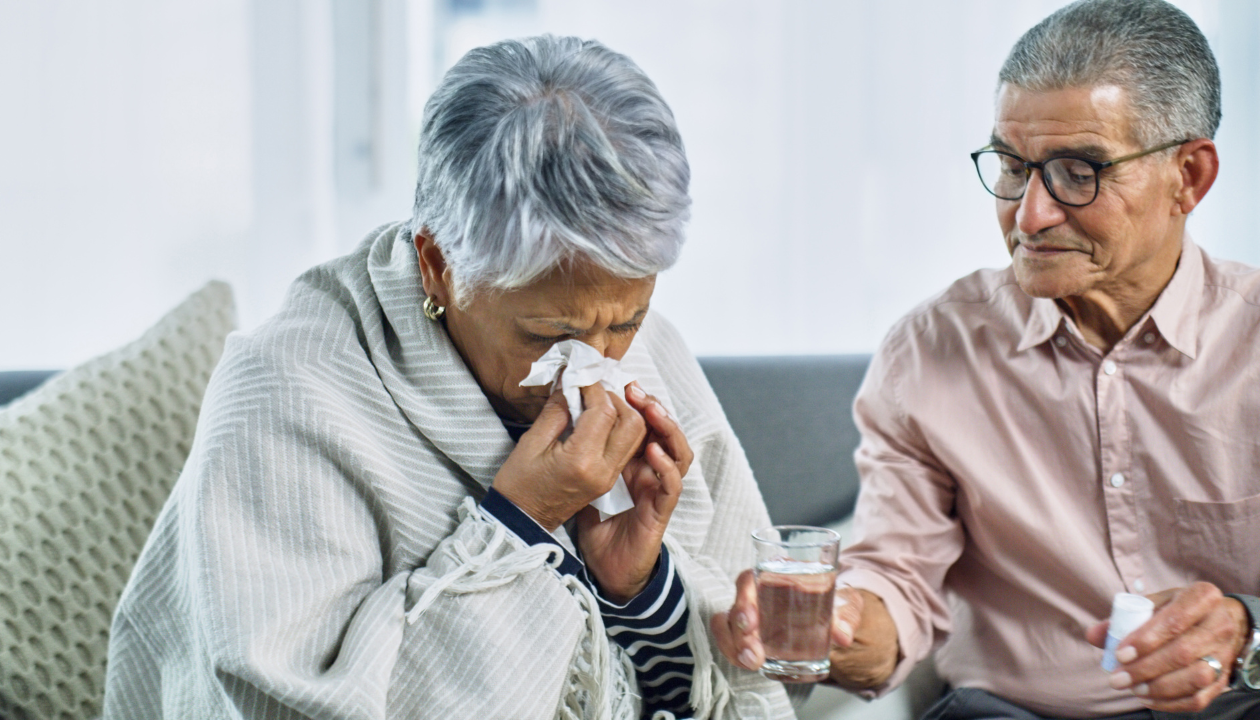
(147, 146)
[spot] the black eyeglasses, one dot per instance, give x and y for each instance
(1070, 180)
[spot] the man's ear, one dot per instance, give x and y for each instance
(433, 270)
(1198, 164)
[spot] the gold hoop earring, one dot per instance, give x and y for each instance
(432, 310)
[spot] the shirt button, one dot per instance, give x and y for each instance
(1109, 367)
(1148, 338)
(1139, 585)
(1117, 480)
(1060, 341)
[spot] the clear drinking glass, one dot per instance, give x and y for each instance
(796, 581)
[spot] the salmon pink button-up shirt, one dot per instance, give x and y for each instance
(1014, 477)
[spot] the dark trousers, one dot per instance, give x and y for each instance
(973, 704)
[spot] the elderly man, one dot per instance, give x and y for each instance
(1082, 423)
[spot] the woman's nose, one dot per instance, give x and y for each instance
(599, 341)
(608, 344)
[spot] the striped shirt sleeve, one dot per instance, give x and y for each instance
(651, 627)
(528, 530)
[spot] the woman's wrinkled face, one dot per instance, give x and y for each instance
(500, 334)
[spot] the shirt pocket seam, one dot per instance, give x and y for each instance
(1192, 512)
(1213, 541)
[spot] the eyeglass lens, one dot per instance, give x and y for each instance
(1069, 180)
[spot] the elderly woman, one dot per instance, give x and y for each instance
(378, 521)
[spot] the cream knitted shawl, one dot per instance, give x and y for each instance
(322, 554)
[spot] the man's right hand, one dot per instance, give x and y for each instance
(864, 647)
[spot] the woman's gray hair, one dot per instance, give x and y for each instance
(1148, 47)
(547, 150)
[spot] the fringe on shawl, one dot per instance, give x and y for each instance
(710, 690)
(480, 571)
(601, 684)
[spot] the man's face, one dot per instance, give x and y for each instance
(1129, 238)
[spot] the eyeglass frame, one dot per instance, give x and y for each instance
(1029, 166)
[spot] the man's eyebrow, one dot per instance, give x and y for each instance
(1097, 153)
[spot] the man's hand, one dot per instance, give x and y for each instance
(864, 647)
(864, 657)
(1162, 660)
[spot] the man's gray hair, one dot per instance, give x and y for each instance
(1148, 47)
(544, 151)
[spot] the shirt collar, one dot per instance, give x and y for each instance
(1043, 322)
(1175, 312)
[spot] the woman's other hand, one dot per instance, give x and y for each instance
(621, 551)
(550, 479)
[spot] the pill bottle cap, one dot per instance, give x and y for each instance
(1128, 612)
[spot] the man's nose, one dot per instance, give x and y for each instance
(1038, 209)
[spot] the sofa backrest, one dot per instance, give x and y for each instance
(794, 417)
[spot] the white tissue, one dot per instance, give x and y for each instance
(575, 365)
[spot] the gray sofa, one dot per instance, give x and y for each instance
(793, 416)
(16, 383)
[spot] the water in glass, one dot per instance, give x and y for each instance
(794, 600)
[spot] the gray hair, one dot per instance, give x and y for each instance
(1148, 47)
(544, 151)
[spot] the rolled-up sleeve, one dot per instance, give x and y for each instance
(907, 534)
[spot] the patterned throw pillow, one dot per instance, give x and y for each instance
(86, 462)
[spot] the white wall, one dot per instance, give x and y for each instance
(124, 166)
(829, 145)
(149, 145)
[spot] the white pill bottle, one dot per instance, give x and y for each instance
(1128, 612)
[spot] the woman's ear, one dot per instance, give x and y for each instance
(1198, 164)
(433, 270)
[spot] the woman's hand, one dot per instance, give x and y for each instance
(552, 479)
(622, 550)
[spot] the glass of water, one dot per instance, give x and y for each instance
(796, 582)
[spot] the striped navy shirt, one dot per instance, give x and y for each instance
(651, 627)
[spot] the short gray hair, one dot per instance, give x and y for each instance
(1148, 47)
(547, 150)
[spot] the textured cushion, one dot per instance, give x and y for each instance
(86, 462)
